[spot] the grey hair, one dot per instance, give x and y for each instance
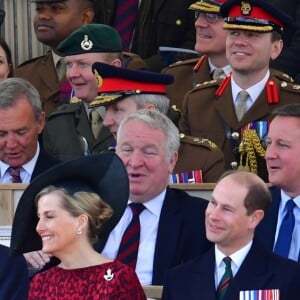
(161, 102)
(155, 120)
(12, 89)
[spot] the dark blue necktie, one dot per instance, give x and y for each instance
(283, 243)
(129, 245)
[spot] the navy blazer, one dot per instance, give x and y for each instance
(181, 232)
(260, 270)
(14, 281)
(43, 163)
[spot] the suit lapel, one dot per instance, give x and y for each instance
(169, 222)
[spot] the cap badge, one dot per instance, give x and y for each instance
(86, 44)
(246, 8)
(98, 78)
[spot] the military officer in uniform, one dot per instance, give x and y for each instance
(210, 43)
(74, 129)
(122, 91)
(54, 20)
(234, 113)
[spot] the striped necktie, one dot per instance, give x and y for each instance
(225, 281)
(284, 239)
(129, 245)
(14, 172)
(125, 20)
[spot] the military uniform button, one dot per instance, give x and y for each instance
(234, 165)
(178, 22)
(235, 135)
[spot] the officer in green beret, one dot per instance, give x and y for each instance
(210, 43)
(235, 113)
(74, 129)
(122, 91)
(53, 21)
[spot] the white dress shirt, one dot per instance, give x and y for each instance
(25, 173)
(149, 219)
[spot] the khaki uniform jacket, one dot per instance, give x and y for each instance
(207, 115)
(68, 135)
(186, 77)
(200, 154)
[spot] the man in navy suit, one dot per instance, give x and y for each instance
(14, 281)
(283, 164)
(21, 122)
(238, 267)
(172, 223)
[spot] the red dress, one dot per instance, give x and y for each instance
(108, 281)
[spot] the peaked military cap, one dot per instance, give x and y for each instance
(254, 15)
(103, 174)
(91, 38)
(209, 6)
(115, 83)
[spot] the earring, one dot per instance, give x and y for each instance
(79, 231)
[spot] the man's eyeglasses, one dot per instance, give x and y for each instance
(210, 18)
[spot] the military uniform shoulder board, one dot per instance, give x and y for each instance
(185, 62)
(205, 84)
(68, 108)
(202, 142)
(29, 61)
(281, 76)
(292, 87)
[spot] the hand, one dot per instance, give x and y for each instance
(37, 259)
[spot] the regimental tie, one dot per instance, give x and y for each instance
(284, 239)
(96, 122)
(129, 245)
(218, 73)
(225, 281)
(125, 20)
(15, 173)
(241, 106)
(61, 69)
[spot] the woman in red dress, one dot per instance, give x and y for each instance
(68, 224)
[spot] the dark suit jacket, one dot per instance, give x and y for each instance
(14, 281)
(260, 270)
(62, 135)
(43, 163)
(265, 231)
(181, 232)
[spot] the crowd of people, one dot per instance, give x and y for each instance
(102, 124)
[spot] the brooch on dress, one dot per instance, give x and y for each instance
(109, 275)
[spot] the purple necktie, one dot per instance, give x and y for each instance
(125, 20)
(129, 245)
(14, 172)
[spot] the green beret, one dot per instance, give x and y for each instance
(91, 38)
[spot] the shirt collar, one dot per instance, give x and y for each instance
(28, 167)
(154, 205)
(253, 91)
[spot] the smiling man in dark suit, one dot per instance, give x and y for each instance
(238, 267)
(282, 157)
